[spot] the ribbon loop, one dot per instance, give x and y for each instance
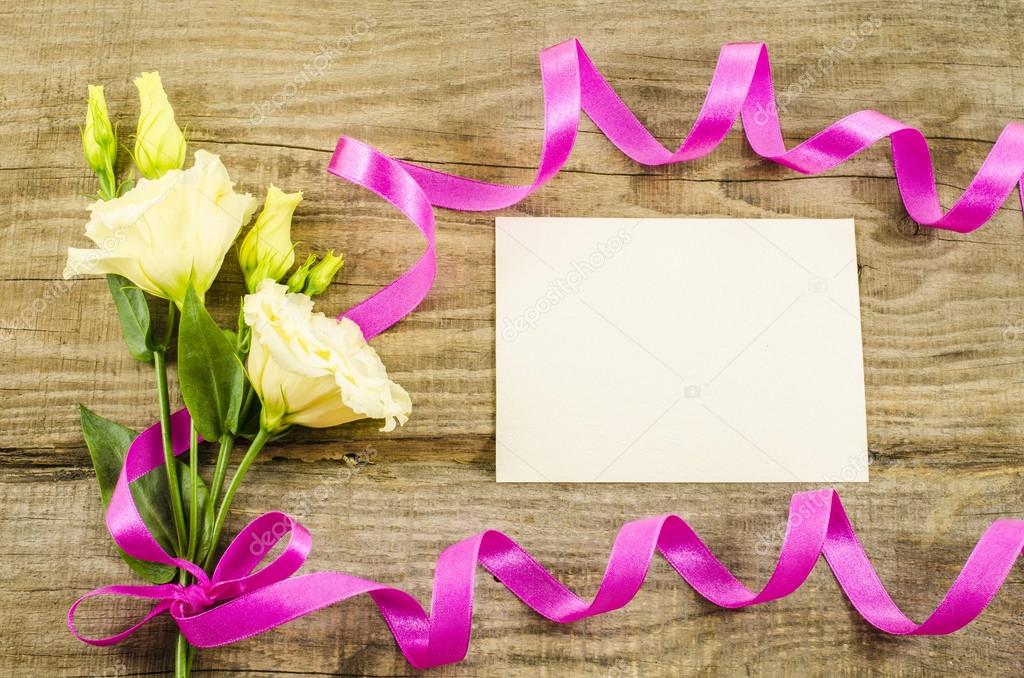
(165, 593)
(236, 572)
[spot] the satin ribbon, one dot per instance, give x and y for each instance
(741, 88)
(239, 601)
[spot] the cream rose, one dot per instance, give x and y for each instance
(168, 232)
(312, 370)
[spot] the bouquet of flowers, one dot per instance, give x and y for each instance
(161, 239)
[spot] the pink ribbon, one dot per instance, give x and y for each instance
(740, 88)
(239, 601)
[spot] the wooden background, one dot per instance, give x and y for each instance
(455, 85)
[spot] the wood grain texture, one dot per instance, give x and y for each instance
(455, 85)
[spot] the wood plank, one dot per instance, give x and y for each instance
(456, 86)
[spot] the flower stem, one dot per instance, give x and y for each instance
(182, 650)
(220, 472)
(182, 657)
(108, 183)
(169, 332)
(193, 500)
(170, 465)
(222, 514)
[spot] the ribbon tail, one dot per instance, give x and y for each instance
(281, 602)
(973, 589)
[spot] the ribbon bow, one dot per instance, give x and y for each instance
(235, 577)
(239, 601)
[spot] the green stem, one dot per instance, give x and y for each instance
(182, 650)
(182, 656)
(220, 472)
(171, 308)
(181, 647)
(170, 465)
(108, 182)
(193, 500)
(222, 514)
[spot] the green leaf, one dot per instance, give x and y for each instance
(209, 372)
(108, 443)
(155, 573)
(133, 312)
(231, 336)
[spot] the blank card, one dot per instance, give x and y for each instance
(679, 350)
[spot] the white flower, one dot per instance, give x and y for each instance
(168, 232)
(312, 370)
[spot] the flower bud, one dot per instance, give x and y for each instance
(297, 280)
(267, 250)
(99, 143)
(159, 143)
(323, 273)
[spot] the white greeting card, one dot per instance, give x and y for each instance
(679, 350)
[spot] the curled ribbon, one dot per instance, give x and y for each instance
(239, 601)
(741, 88)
